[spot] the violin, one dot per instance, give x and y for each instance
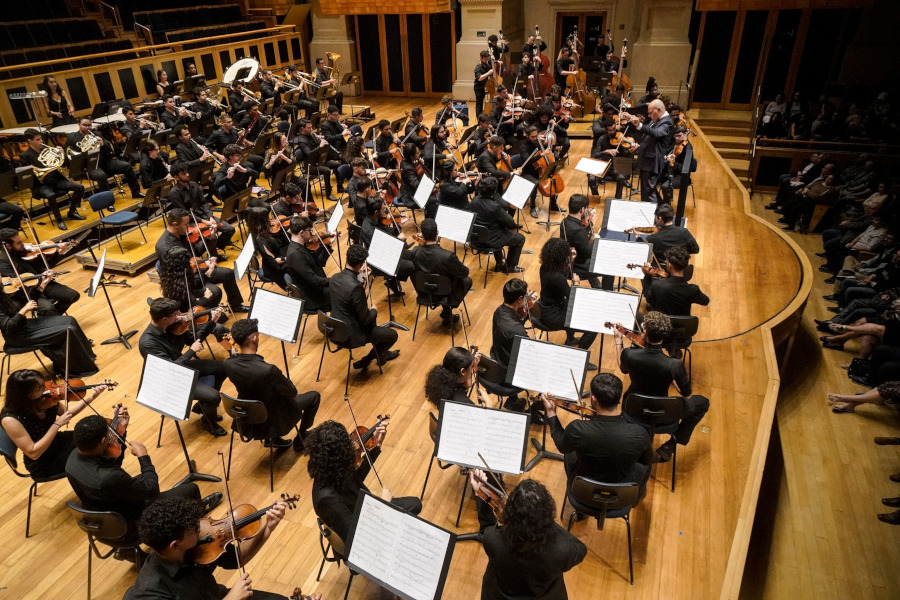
(54, 393)
(365, 438)
(634, 336)
(391, 215)
(576, 408)
(196, 231)
(279, 223)
(525, 310)
(298, 595)
(215, 534)
(625, 143)
(307, 206)
(650, 271)
(467, 177)
(588, 218)
(317, 240)
(420, 239)
(494, 497)
(15, 284)
(47, 249)
(115, 448)
(648, 230)
(197, 263)
(198, 315)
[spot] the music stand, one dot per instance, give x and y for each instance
(549, 173)
(312, 160)
(396, 123)
(624, 165)
(92, 291)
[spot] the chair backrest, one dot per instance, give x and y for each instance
(654, 411)
(433, 428)
(432, 287)
(102, 525)
(515, 161)
(248, 412)
(8, 449)
(102, 200)
(683, 327)
(345, 171)
(353, 232)
(334, 329)
(333, 539)
(604, 497)
(490, 371)
(480, 236)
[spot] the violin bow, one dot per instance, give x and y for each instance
(494, 475)
(199, 232)
(577, 391)
(197, 260)
(66, 374)
(278, 220)
(18, 275)
(187, 293)
(122, 440)
(230, 517)
(361, 443)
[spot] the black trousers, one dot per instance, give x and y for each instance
(225, 277)
(60, 187)
(206, 392)
(48, 334)
(648, 186)
(382, 339)
(113, 166)
(56, 299)
(695, 408)
(479, 100)
(307, 105)
(619, 178)
(14, 214)
(514, 242)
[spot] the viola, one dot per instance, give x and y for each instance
(198, 315)
(15, 284)
(365, 438)
(198, 263)
(576, 408)
(650, 271)
(215, 534)
(648, 230)
(115, 448)
(47, 249)
(525, 310)
(54, 393)
(420, 168)
(467, 177)
(195, 232)
(634, 336)
(391, 215)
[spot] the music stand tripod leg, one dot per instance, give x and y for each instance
(122, 337)
(192, 475)
(542, 451)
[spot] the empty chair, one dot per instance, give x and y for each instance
(103, 201)
(246, 414)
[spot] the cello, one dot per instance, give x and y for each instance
(545, 73)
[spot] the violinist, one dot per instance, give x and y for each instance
(507, 324)
(158, 341)
(348, 303)
(455, 190)
(669, 234)
(380, 218)
(529, 552)
(652, 92)
(488, 159)
(255, 379)
(383, 143)
(505, 120)
(305, 266)
(606, 147)
(154, 165)
(100, 482)
(338, 482)
(437, 156)
(34, 420)
(502, 94)
(431, 259)
(293, 200)
(604, 447)
(676, 163)
(479, 138)
(529, 153)
(677, 116)
(170, 527)
(454, 377)
(556, 270)
(673, 295)
(653, 373)
(52, 297)
(309, 142)
(269, 245)
(414, 127)
(359, 189)
(483, 72)
(491, 214)
(576, 229)
(233, 176)
(173, 284)
(411, 170)
(106, 165)
(188, 195)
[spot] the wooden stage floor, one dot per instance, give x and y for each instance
(682, 541)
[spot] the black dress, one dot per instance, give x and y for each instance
(53, 460)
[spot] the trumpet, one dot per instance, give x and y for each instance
(215, 103)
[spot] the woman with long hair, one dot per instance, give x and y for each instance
(47, 334)
(174, 277)
(33, 422)
(271, 250)
(57, 102)
(529, 552)
(556, 269)
(162, 82)
(279, 157)
(356, 148)
(453, 378)
(154, 166)
(337, 481)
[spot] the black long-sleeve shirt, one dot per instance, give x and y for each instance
(102, 484)
(169, 346)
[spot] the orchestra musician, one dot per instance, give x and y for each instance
(652, 373)
(305, 266)
(378, 219)
(409, 176)
(269, 246)
(157, 341)
(132, 125)
(579, 235)
(564, 67)
(488, 159)
(454, 193)
(279, 158)
(226, 135)
(669, 234)
(57, 102)
(673, 295)
(507, 324)
(496, 48)
(432, 259)
(271, 87)
(479, 138)
(453, 378)
(383, 144)
(529, 153)
(333, 131)
(255, 379)
(338, 482)
(483, 72)
(358, 204)
(324, 79)
(545, 120)
(170, 527)
(154, 166)
(348, 304)
(303, 102)
(437, 156)
(293, 201)
(173, 116)
(233, 176)
(676, 163)
(13, 214)
(189, 151)
(491, 214)
(504, 120)
(656, 143)
(605, 446)
(449, 112)
(606, 148)
(601, 49)
(414, 126)
(188, 195)
(652, 92)
(106, 165)
(253, 124)
(528, 74)
(309, 142)
(53, 298)
(54, 183)
(203, 105)
(238, 101)
(162, 82)
(34, 422)
(101, 483)
(533, 44)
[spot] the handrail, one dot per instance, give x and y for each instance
(791, 144)
(149, 35)
(153, 48)
(117, 18)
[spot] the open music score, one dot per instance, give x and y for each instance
(592, 166)
(334, 221)
(423, 192)
(454, 224)
(547, 368)
(401, 552)
(612, 257)
(620, 215)
(95, 280)
(589, 309)
(167, 388)
(464, 430)
(242, 262)
(384, 252)
(279, 316)
(518, 191)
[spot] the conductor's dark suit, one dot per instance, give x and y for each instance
(656, 142)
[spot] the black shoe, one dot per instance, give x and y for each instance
(133, 195)
(61, 224)
(892, 502)
(676, 353)
(572, 341)
(299, 444)
(277, 443)
(824, 269)
(788, 228)
(864, 381)
(394, 286)
(778, 211)
(557, 209)
(500, 268)
(364, 362)
(538, 418)
(533, 213)
(830, 298)
(515, 269)
(450, 319)
(782, 220)
(197, 410)
(240, 308)
(591, 366)
(515, 404)
(833, 309)
(665, 451)
(832, 345)
(211, 501)
(74, 216)
(821, 255)
(221, 257)
(771, 205)
(333, 198)
(388, 356)
(214, 429)
(830, 281)
(824, 327)
(891, 518)
(471, 537)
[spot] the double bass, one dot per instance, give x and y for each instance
(577, 84)
(545, 73)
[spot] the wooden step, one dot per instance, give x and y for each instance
(726, 131)
(739, 167)
(729, 141)
(734, 153)
(744, 128)
(710, 114)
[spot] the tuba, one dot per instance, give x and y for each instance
(52, 159)
(332, 59)
(88, 143)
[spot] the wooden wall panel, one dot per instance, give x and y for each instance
(397, 7)
(778, 4)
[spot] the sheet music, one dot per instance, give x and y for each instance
(625, 214)
(95, 280)
(167, 388)
(243, 260)
(384, 252)
(335, 220)
(592, 166)
(406, 554)
(500, 436)
(423, 192)
(545, 367)
(518, 191)
(612, 257)
(454, 224)
(279, 316)
(589, 309)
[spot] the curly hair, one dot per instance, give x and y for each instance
(442, 380)
(172, 268)
(529, 517)
(331, 457)
(556, 254)
(167, 520)
(657, 326)
(89, 432)
(354, 148)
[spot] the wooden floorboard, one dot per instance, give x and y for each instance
(681, 540)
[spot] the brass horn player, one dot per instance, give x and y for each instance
(104, 165)
(50, 182)
(325, 78)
